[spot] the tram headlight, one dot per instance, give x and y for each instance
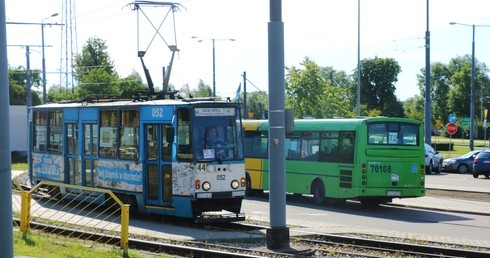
(243, 181)
(206, 186)
(235, 184)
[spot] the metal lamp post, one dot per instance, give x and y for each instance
(44, 61)
(472, 93)
(214, 59)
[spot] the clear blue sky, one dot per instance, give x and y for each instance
(323, 30)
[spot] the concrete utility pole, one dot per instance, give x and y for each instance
(278, 233)
(6, 226)
(428, 103)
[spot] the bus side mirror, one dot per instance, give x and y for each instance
(170, 134)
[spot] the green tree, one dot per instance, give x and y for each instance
(414, 108)
(130, 85)
(440, 85)
(309, 92)
(55, 94)
(94, 70)
(257, 104)
(202, 90)
(459, 96)
(18, 86)
(378, 78)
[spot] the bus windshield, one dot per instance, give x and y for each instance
(216, 134)
(392, 133)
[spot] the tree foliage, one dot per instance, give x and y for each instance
(18, 86)
(450, 87)
(309, 92)
(257, 104)
(203, 90)
(94, 70)
(378, 78)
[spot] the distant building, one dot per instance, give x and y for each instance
(18, 129)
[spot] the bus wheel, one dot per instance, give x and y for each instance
(318, 192)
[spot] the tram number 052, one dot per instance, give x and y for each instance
(381, 168)
(220, 177)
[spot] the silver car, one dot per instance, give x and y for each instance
(462, 164)
(433, 160)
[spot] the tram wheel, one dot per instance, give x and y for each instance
(133, 205)
(318, 191)
(248, 187)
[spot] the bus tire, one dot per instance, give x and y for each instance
(318, 191)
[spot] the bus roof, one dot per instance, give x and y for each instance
(319, 124)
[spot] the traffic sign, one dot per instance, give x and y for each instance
(452, 118)
(451, 128)
(465, 121)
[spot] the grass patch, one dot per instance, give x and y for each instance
(52, 246)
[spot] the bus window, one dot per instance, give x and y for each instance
(310, 148)
(392, 133)
(346, 148)
(293, 147)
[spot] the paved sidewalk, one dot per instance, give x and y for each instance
(445, 204)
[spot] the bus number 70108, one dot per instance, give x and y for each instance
(381, 168)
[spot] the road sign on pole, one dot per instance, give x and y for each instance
(451, 128)
(452, 118)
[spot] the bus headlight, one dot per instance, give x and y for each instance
(235, 184)
(206, 186)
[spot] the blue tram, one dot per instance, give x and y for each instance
(152, 154)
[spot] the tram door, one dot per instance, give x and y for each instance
(89, 148)
(71, 162)
(158, 165)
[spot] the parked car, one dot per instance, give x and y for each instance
(433, 161)
(481, 164)
(462, 164)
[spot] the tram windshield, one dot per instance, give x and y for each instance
(216, 134)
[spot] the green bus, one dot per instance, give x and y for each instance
(372, 160)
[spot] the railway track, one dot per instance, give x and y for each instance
(353, 246)
(302, 246)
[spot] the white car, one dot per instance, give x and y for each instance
(433, 161)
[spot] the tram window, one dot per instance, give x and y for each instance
(166, 146)
(55, 131)
(40, 131)
(184, 135)
(71, 138)
(108, 133)
(128, 137)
